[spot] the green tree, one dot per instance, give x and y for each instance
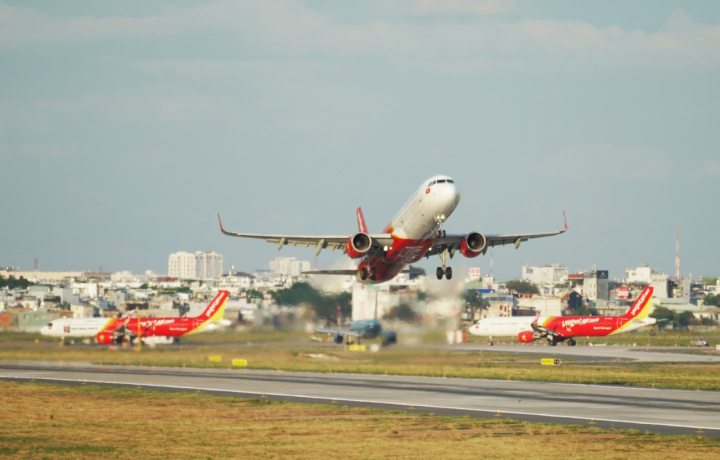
(522, 287)
(664, 316)
(685, 319)
(712, 300)
(416, 275)
(12, 283)
(325, 306)
(474, 301)
(402, 312)
(709, 280)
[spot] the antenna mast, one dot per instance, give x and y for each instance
(677, 253)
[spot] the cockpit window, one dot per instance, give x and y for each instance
(441, 181)
(49, 325)
(450, 181)
(431, 183)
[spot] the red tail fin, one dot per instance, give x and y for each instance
(361, 221)
(641, 307)
(217, 302)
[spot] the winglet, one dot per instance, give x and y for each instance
(220, 222)
(361, 221)
(564, 221)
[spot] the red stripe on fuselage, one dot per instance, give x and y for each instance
(594, 326)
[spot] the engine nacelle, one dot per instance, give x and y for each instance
(105, 338)
(526, 337)
(390, 338)
(338, 338)
(473, 245)
(358, 245)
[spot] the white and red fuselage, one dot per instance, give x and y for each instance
(560, 328)
(413, 229)
(108, 330)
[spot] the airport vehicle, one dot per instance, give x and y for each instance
(561, 328)
(701, 342)
(149, 330)
(415, 232)
(362, 329)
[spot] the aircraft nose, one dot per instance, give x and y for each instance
(44, 330)
(448, 195)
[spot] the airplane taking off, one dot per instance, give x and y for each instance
(415, 232)
(151, 330)
(560, 328)
(362, 329)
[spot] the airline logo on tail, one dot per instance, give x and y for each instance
(216, 310)
(641, 307)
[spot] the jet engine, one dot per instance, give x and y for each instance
(526, 337)
(358, 245)
(105, 339)
(473, 244)
(390, 338)
(338, 338)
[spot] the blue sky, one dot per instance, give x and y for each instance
(126, 125)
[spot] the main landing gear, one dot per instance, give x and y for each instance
(447, 271)
(365, 273)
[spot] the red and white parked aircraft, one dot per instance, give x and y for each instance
(415, 232)
(149, 330)
(560, 328)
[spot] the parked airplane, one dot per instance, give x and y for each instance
(560, 328)
(362, 329)
(415, 232)
(150, 330)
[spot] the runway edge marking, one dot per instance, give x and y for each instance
(368, 401)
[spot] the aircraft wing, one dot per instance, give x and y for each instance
(346, 332)
(352, 272)
(320, 242)
(453, 241)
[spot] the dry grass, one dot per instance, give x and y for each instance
(400, 361)
(50, 421)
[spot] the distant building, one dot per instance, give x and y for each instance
(288, 266)
(596, 286)
(474, 274)
(545, 275)
(198, 265)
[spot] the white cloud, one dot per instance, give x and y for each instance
(449, 7)
(709, 168)
(289, 28)
(613, 162)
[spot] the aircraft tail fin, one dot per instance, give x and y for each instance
(361, 221)
(216, 310)
(640, 309)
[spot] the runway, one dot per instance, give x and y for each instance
(655, 410)
(604, 353)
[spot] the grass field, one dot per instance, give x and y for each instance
(393, 360)
(43, 421)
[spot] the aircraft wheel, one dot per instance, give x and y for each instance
(552, 343)
(439, 273)
(572, 343)
(373, 273)
(363, 273)
(448, 273)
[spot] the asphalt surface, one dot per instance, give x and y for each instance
(610, 353)
(655, 410)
